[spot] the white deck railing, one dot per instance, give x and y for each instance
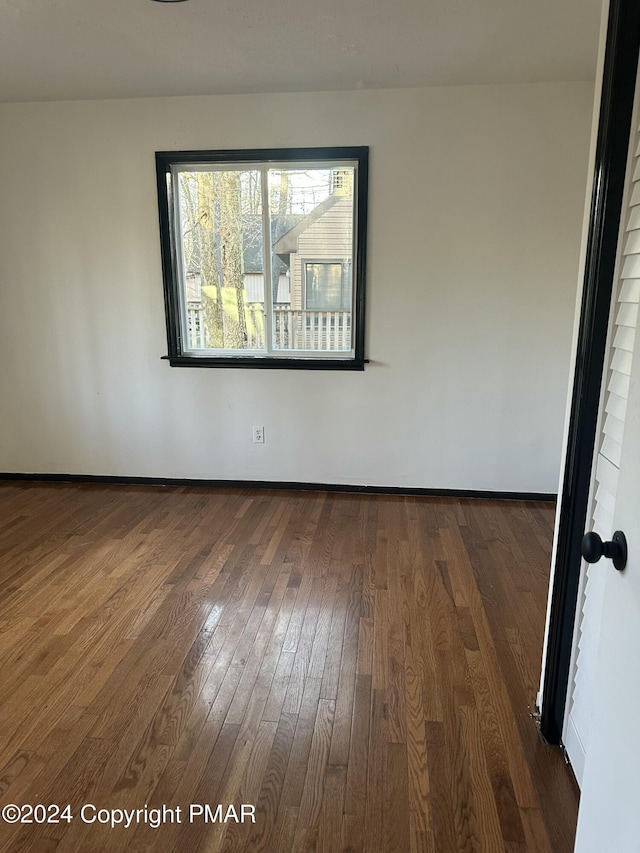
(326, 331)
(319, 331)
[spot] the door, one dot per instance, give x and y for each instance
(583, 686)
(615, 90)
(609, 817)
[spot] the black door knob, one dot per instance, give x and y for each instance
(592, 548)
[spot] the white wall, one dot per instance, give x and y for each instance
(476, 198)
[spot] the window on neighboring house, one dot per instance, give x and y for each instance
(328, 286)
(264, 256)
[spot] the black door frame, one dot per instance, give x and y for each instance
(614, 127)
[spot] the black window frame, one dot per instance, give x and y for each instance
(176, 356)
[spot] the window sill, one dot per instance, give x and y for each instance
(269, 363)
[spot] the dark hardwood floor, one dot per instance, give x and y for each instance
(359, 668)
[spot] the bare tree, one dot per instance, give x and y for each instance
(283, 196)
(231, 251)
(210, 276)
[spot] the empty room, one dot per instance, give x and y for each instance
(317, 505)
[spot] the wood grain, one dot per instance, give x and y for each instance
(360, 668)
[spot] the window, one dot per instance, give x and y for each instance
(263, 257)
(328, 286)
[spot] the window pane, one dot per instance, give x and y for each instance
(311, 212)
(222, 259)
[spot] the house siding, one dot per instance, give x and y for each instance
(328, 239)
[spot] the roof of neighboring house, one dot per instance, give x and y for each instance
(252, 239)
(288, 242)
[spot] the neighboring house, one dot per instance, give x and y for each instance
(253, 286)
(318, 252)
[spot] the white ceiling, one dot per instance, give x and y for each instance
(73, 49)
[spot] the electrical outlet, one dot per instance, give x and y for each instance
(258, 435)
